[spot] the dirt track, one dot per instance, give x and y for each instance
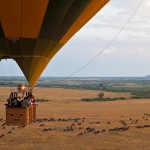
(74, 134)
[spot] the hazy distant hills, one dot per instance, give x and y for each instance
(97, 78)
(147, 77)
(20, 78)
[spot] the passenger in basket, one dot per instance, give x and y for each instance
(26, 102)
(19, 101)
(15, 103)
(31, 98)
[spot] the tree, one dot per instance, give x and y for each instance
(101, 95)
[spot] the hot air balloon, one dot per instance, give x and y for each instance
(33, 31)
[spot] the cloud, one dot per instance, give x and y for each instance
(110, 51)
(120, 12)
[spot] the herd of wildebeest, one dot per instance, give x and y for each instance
(81, 126)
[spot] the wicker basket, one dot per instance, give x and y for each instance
(34, 111)
(20, 116)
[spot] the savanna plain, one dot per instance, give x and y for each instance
(65, 122)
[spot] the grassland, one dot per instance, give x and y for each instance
(66, 104)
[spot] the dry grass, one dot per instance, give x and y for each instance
(65, 103)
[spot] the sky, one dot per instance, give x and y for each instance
(128, 55)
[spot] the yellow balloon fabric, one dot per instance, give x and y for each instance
(33, 31)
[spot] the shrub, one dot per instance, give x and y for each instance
(41, 100)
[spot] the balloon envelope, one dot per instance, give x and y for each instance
(32, 31)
